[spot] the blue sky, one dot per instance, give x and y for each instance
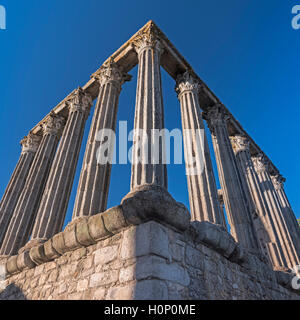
(246, 51)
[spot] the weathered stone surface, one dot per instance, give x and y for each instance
(158, 268)
(107, 271)
(103, 278)
(82, 232)
(96, 228)
(24, 261)
(11, 265)
(217, 237)
(151, 202)
(37, 254)
(147, 238)
(113, 219)
(151, 290)
(70, 238)
(105, 255)
(202, 187)
(49, 250)
(58, 243)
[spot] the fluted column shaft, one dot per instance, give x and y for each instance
(278, 182)
(264, 223)
(21, 223)
(237, 210)
(149, 114)
(92, 192)
(202, 187)
(52, 210)
(17, 181)
(286, 241)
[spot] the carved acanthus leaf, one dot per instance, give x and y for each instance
(111, 72)
(186, 82)
(30, 143)
(80, 101)
(216, 116)
(261, 163)
(278, 181)
(53, 124)
(148, 37)
(240, 143)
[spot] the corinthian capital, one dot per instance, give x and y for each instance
(110, 72)
(261, 163)
(30, 143)
(186, 82)
(53, 125)
(240, 143)
(278, 181)
(216, 116)
(148, 37)
(80, 101)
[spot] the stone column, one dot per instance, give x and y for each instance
(202, 187)
(92, 192)
(278, 182)
(149, 114)
(21, 223)
(237, 210)
(15, 186)
(52, 210)
(263, 221)
(286, 242)
(221, 204)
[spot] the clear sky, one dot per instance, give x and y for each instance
(246, 52)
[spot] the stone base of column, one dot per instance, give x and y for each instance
(147, 261)
(3, 259)
(283, 269)
(30, 244)
(154, 202)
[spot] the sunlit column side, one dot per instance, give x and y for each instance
(21, 223)
(202, 187)
(92, 192)
(263, 221)
(15, 186)
(237, 210)
(286, 208)
(149, 114)
(288, 247)
(52, 210)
